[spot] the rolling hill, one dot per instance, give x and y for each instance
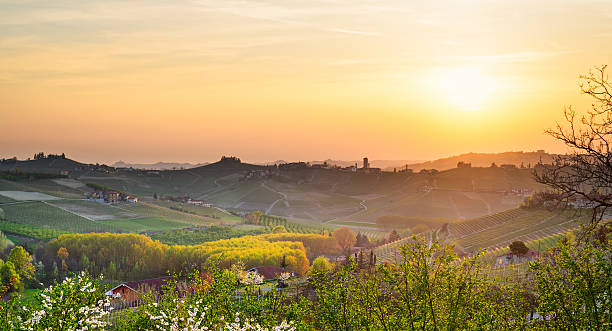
(484, 160)
(305, 194)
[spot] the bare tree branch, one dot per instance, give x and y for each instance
(585, 173)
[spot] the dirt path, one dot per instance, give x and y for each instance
(284, 197)
(214, 189)
(361, 204)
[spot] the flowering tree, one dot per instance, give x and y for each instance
(77, 303)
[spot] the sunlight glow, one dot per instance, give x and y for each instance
(466, 88)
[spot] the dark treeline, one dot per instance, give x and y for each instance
(20, 175)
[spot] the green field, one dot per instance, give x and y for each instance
(147, 224)
(40, 214)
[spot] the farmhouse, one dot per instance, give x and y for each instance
(132, 291)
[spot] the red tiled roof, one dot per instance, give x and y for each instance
(154, 284)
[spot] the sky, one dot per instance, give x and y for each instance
(189, 81)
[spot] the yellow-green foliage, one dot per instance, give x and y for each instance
(137, 256)
(320, 265)
(315, 244)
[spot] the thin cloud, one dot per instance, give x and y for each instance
(528, 56)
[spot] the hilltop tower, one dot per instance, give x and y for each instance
(366, 164)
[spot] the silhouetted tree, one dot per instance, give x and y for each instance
(518, 248)
(586, 172)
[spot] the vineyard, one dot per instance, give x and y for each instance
(30, 231)
(153, 210)
(526, 227)
(4, 199)
(93, 210)
(200, 235)
(42, 215)
(539, 241)
(271, 221)
(462, 229)
(210, 212)
(390, 252)
(539, 245)
(144, 224)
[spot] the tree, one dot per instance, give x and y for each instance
(346, 239)
(320, 265)
(362, 240)
(22, 261)
(585, 172)
(253, 217)
(62, 254)
(4, 242)
(394, 236)
(9, 278)
(574, 285)
(518, 248)
(279, 229)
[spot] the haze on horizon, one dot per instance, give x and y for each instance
(189, 81)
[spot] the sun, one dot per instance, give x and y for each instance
(466, 88)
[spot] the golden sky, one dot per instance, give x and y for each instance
(144, 81)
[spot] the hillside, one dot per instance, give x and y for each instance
(484, 160)
(304, 194)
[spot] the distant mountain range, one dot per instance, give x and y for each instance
(158, 165)
(485, 160)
